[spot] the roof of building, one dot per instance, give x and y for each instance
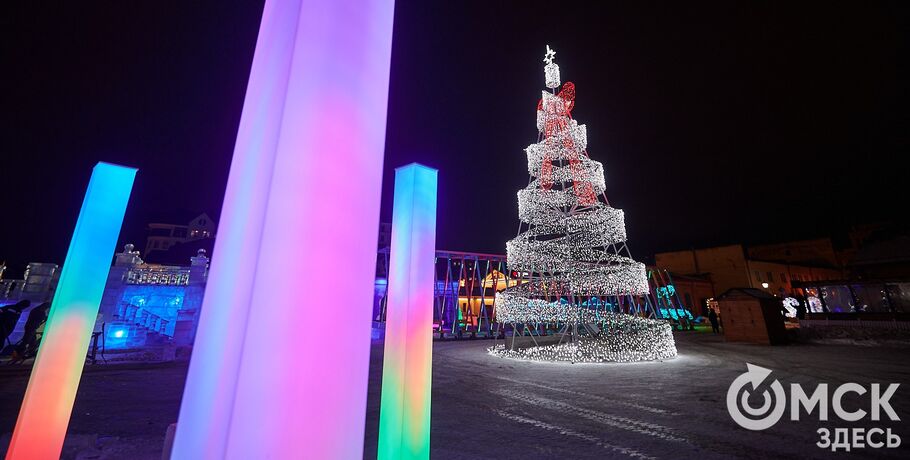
(751, 292)
(890, 250)
(695, 277)
(178, 216)
(803, 263)
(180, 253)
(849, 282)
(704, 248)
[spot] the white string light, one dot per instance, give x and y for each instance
(611, 337)
(571, 248)
(790, 304)
(551, 72)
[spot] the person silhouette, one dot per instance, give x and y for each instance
(712, 316)
(30, 341)
(9, 316)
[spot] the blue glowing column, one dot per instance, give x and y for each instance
(294, 261)
(404, 421)
(48, 402)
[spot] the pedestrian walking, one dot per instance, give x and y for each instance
(712, 316)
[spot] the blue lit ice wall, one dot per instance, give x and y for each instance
(164, 302)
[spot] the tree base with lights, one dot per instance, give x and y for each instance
(613, 337)
(578, 294)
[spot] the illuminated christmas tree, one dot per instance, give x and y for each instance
(577, 278)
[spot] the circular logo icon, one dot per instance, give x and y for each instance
(768, 413)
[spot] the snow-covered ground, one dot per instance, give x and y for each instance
(486, 407)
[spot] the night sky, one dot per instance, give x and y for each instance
(717, 122)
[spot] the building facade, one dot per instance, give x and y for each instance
(818, 252)
(146, 304)
(162, 236)
(730, 267)
(695, 293)
(38, 283)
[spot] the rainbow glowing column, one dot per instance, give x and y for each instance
(48, 402)
(271, 376)
(404, 419)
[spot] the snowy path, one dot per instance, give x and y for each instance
(490, 408)
(487, 407)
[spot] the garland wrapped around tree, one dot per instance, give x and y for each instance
(575, 268)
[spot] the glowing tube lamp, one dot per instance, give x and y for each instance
(271, 376)
(404, 418)
(48, 402)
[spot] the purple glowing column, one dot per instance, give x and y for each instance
(404, 421)
(270, 376)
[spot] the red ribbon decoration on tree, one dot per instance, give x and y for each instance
(555, 125)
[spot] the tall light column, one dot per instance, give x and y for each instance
(294, 261)
(404, 419)
(48, 401)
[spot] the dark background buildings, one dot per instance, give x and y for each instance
(717, 122)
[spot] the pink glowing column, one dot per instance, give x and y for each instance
(404, 421)
(294, 261)
(48, 402)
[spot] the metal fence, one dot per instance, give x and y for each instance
(466, 284)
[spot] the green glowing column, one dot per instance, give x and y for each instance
(404, 420)
(48, 402)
